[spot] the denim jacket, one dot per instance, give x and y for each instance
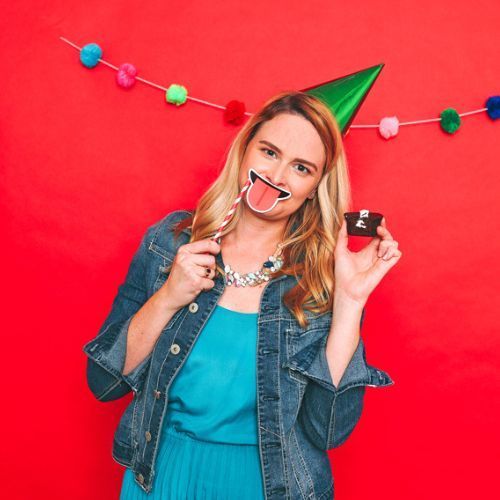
(300, 413)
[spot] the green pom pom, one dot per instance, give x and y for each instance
(176, 94)
(450, 120)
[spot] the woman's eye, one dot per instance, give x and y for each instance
(306, 170)
(266, 150)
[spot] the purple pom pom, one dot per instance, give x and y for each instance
(125, 76)
(493, 107)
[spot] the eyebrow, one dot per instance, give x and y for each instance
(270, 144)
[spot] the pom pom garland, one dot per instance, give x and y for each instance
(450, 120)
(176, 94)
(234, 112)
(90, 55)
(493, 107)
(389, 127)
(125, 76)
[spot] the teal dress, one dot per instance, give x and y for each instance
(209, 442)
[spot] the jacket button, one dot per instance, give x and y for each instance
(193, 307)
(140, 478)
(174, 349)
(157, 394)
(148, 436)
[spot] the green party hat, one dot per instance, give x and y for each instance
(345, 95)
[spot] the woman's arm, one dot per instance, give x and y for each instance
(344, 335)
(331, 408)
(329, 412)
(329, 417)
(120, 355)
(106, 352)
(146, 327)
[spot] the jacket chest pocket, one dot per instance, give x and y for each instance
(299, 339)
(162, 263)
(294, 342)
(161, 271)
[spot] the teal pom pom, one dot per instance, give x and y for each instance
(176, 94)
(90, 55)
(450, 121)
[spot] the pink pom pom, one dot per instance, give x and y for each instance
(389, 127)
(125, 76)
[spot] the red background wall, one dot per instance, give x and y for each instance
(87, 166)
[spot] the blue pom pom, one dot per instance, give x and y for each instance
(90, 55)
(493, 107)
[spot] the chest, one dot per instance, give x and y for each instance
(242, 299)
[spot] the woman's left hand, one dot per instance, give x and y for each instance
(358, 273)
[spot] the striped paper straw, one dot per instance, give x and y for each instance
(229, 215)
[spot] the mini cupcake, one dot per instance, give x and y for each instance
(363, 223)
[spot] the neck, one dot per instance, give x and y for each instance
(256, 231)
(253, 239)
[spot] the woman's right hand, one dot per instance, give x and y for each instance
(188, 274)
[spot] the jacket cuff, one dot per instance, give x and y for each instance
(328, 413)
(313, 364)
(109, 349)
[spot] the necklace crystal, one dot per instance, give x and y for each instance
(273, 264)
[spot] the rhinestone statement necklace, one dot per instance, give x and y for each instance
(255, 278)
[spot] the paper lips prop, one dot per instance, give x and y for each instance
(262, 195)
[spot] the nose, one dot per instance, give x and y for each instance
(277, 176)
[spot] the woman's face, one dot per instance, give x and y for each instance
(287, 151)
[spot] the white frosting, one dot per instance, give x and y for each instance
(360, 222)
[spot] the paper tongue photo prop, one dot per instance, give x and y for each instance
(262, 195)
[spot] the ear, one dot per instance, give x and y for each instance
(312, 195)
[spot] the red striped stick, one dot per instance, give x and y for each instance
(229, 215)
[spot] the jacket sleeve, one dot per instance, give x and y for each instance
(328, 414)
(107, 351)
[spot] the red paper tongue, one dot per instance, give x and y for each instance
(261, 196)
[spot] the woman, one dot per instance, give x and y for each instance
(241, 388)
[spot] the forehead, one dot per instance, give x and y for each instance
(294, 135)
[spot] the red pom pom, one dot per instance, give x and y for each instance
(234, 112)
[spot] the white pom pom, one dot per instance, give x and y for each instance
(389, 127)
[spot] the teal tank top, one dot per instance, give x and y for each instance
(213, 396)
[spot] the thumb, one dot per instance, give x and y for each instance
(342, 237)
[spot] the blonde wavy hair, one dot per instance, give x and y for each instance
(311, 232)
